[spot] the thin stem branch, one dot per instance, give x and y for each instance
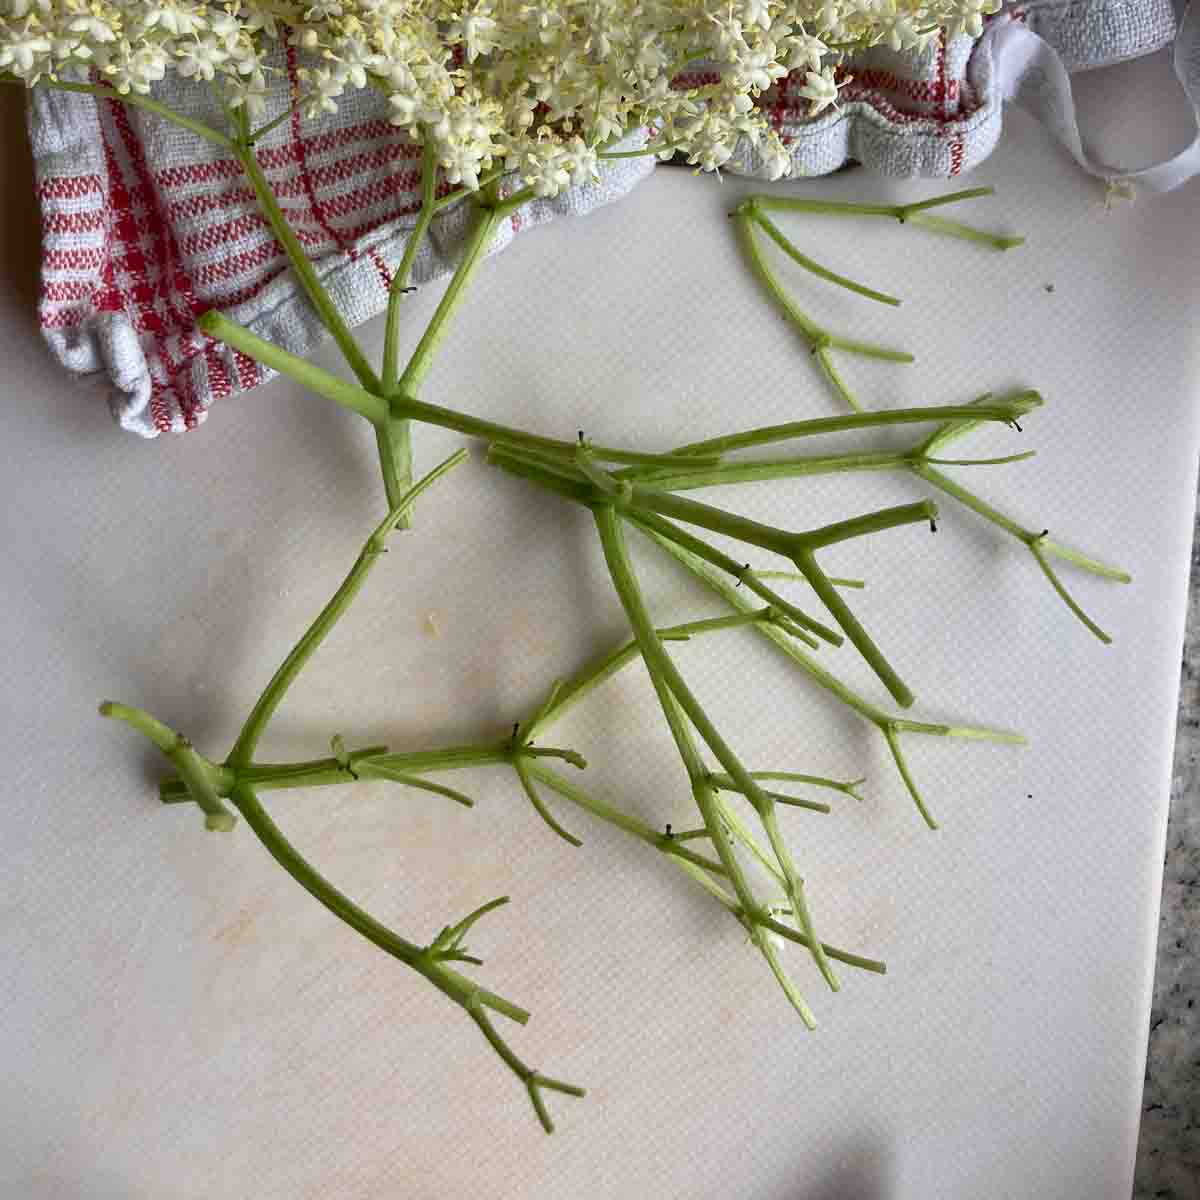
(376, 409)
(776, 927)
(668, 844)
(311, 377)
(306, 273)
(393, 435)
(760, 470)
(652, 522)
(817, 338)
(785, 244)
(374, 770)
(606, 666)
(275, 691)
(674, 690)
(201, 778)
(327, 772)
(478, 243)
(1004, 411)
(1039, 544)
(399, 285)
(525, 776)
(729, 784)
(826, 679)
(145, 102)
(431, 961)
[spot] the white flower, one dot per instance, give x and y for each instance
(175, 19)
(323, 88)
(776, 161)
(474, 30)
(24, 53)
(134, 70)
(355, 60)
(805, 51)
(755, 12)
(200, 58)
(93, 27)
(249, 93)
(543, 87)
(581, 163)
(819, 90)
(969, 16)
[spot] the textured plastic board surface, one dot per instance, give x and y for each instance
(178, 1020)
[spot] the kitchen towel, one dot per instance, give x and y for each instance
(146, 226)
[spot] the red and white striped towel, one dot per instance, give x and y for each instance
(146, 226)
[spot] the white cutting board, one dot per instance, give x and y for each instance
(179, 1020)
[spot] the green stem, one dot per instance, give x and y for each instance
(505, 208)
(391, 345)
(605, 667)
(846, 787)
(261, 132)
(898, 212)
(1004, 411)
(667, 844)
(827, 680)
(969, 233)
(485, 181)
(817, 337)
(758, 918)
(160, 110)
(201, 778)
(432, 414)
(393, 435)
(311, 377)
(800, 547)
(307, 876)
(893, 741)
(275, 691)
(727, 782)
(534, 1081)
(637, 502)
(1039, 543)
(654, 523)
(326, 772)
(756, 471)
(643, 153)
(875, 522)
(474, 999)
(478, 243)
(305, 271)
(1066, 596)
(674, 690)
(776, 235)
(524, 774)
(393, 442)
(741, 834)
(825, 362)
(373, 770)
(376, 410)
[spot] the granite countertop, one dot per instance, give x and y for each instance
(1168, 1164)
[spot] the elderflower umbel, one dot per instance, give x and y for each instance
(542, 89)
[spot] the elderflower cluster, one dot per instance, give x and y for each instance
(540, 89)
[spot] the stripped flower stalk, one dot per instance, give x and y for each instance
(752, 222)
(239, 780)
(923, 460)
(623, 488)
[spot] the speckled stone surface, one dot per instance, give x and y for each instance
(1168, 1163)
